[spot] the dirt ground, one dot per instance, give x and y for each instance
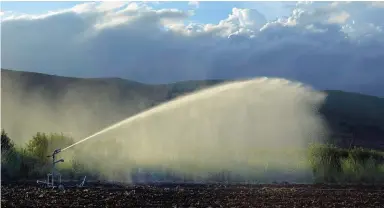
(184, 195)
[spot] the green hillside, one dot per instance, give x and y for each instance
(34, 102)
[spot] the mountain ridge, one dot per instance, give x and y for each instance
(187, 81)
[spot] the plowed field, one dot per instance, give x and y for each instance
(184, 195)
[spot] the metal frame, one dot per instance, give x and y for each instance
(50, 182)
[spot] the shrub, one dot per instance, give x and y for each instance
(357, 165)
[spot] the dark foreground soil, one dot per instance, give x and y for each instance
(23, 195)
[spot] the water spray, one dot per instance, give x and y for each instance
(258, 128)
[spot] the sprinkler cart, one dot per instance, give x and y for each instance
(50, 182)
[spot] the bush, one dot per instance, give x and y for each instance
(357, 165)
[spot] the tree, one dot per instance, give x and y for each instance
(43, 145)
(6, 142)
(38, 146)
(9, 157)
(7, 148)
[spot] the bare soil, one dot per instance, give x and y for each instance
(184, 195)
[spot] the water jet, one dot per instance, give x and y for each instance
(252, 129)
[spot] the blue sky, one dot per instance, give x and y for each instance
(35, 7)
(208, 12)
(329, 45)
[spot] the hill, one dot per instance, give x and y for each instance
(34, 102)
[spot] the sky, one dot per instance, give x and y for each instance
(328, 45)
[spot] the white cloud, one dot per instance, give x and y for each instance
(340, 18)
(379, 4)
(329, 45)
(195, 4)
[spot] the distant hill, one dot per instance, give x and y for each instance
(34, 102)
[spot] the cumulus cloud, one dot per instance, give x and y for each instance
(194, 4)
(336, 45)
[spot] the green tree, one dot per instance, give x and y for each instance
(38, 146)
(9, 157)
(42, 145)
(6, 142)
(7, 149)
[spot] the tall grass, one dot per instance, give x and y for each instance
(335, 165)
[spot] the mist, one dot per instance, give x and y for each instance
(252, 129)
(34, 103)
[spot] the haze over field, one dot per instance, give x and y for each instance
(40, 103)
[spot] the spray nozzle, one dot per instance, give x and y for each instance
(61, 160)
(55, 152)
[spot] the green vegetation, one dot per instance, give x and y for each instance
(329, 163)
(357, 165)
(31, 161)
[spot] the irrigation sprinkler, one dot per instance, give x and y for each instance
(50, 182)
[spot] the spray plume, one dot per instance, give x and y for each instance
(252, 128)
